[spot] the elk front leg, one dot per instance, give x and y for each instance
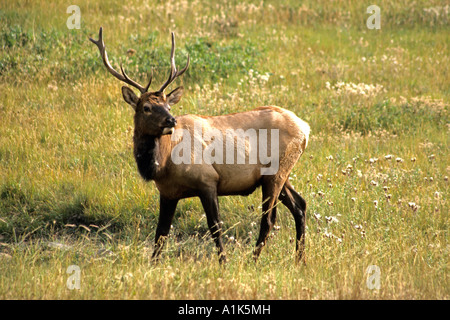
(166, 212)
(211, 206)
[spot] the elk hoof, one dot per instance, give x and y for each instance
(257, 251)
(222, 258)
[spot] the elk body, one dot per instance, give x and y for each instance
(154, 144)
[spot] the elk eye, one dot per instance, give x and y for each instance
(146, 109)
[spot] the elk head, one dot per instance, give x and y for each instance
(152, 116)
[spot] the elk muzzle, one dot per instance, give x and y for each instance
(170, 123)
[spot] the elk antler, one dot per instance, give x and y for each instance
(123, 77)
(174, 73)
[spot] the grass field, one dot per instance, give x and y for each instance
(374, 175)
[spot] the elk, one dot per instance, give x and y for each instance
(154, 145)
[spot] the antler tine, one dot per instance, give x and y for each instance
(122, 77)
(129, 81)
(174, 73)
(173, 68)
(179, 73)
(149, 81)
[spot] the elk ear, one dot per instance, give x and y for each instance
(175, 96)
(130, 97)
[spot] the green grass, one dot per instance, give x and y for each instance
(70, 193)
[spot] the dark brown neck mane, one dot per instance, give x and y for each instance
(146, 149)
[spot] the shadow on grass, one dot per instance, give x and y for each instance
(24, 215)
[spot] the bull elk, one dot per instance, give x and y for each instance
(154, 146)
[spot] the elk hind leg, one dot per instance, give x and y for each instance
(297, 206)
(270, 192)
